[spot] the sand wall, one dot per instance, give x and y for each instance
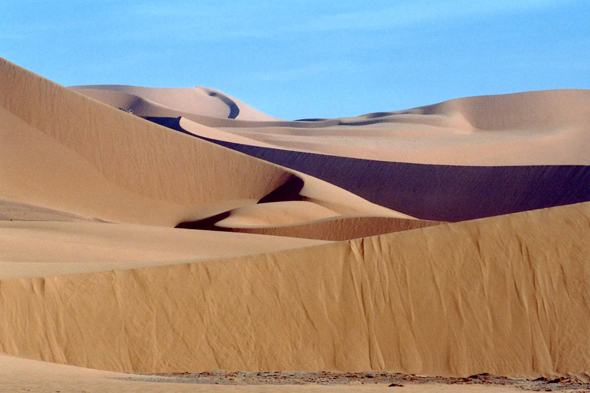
(505, 295)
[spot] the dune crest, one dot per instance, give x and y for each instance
(119, 167)
(197, 100)
(503, 295)
(531, 128)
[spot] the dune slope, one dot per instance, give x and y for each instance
(65, 151)
(530, 128)
(439, 192)
(505, 295)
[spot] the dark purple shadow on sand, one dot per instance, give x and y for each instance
(434, 192)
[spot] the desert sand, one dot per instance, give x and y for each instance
(169, 231)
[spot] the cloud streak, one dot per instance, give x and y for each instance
(226, 20)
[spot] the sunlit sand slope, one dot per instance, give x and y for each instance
(64, 151)
(41, 249)
(504, 295)
(334, 228)
(131, 158)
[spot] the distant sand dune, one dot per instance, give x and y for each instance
(532, 128)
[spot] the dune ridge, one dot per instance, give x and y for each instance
(42, 249)
(334, 228)
(439, 192)
(503, 295)
(122, 168)
(531, 128)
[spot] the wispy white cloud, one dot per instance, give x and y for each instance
(190, 20)
(187, 21)
(415, 13)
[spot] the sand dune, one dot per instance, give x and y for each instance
(44, 249)
(503, 295)
(315, 245)
(198, 100)
(17, 211)
(439, 192)
(122, 168)
(532, 128)
(462, 159)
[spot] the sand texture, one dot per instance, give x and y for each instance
(177, 232)
(505, 295)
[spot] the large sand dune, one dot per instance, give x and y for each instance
(313, 245)
(504, 295)
(78, 155)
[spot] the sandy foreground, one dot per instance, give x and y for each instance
(21, 375)
(151, 237)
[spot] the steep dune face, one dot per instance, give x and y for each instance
(71, 153)
(504, 295)
(130, 153)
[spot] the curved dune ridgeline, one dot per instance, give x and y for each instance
(65, 151)
(506, 295)
(434, 192)
(132, 155)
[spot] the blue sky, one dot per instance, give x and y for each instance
(302, 58)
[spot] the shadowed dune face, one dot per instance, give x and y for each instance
(435, 192)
